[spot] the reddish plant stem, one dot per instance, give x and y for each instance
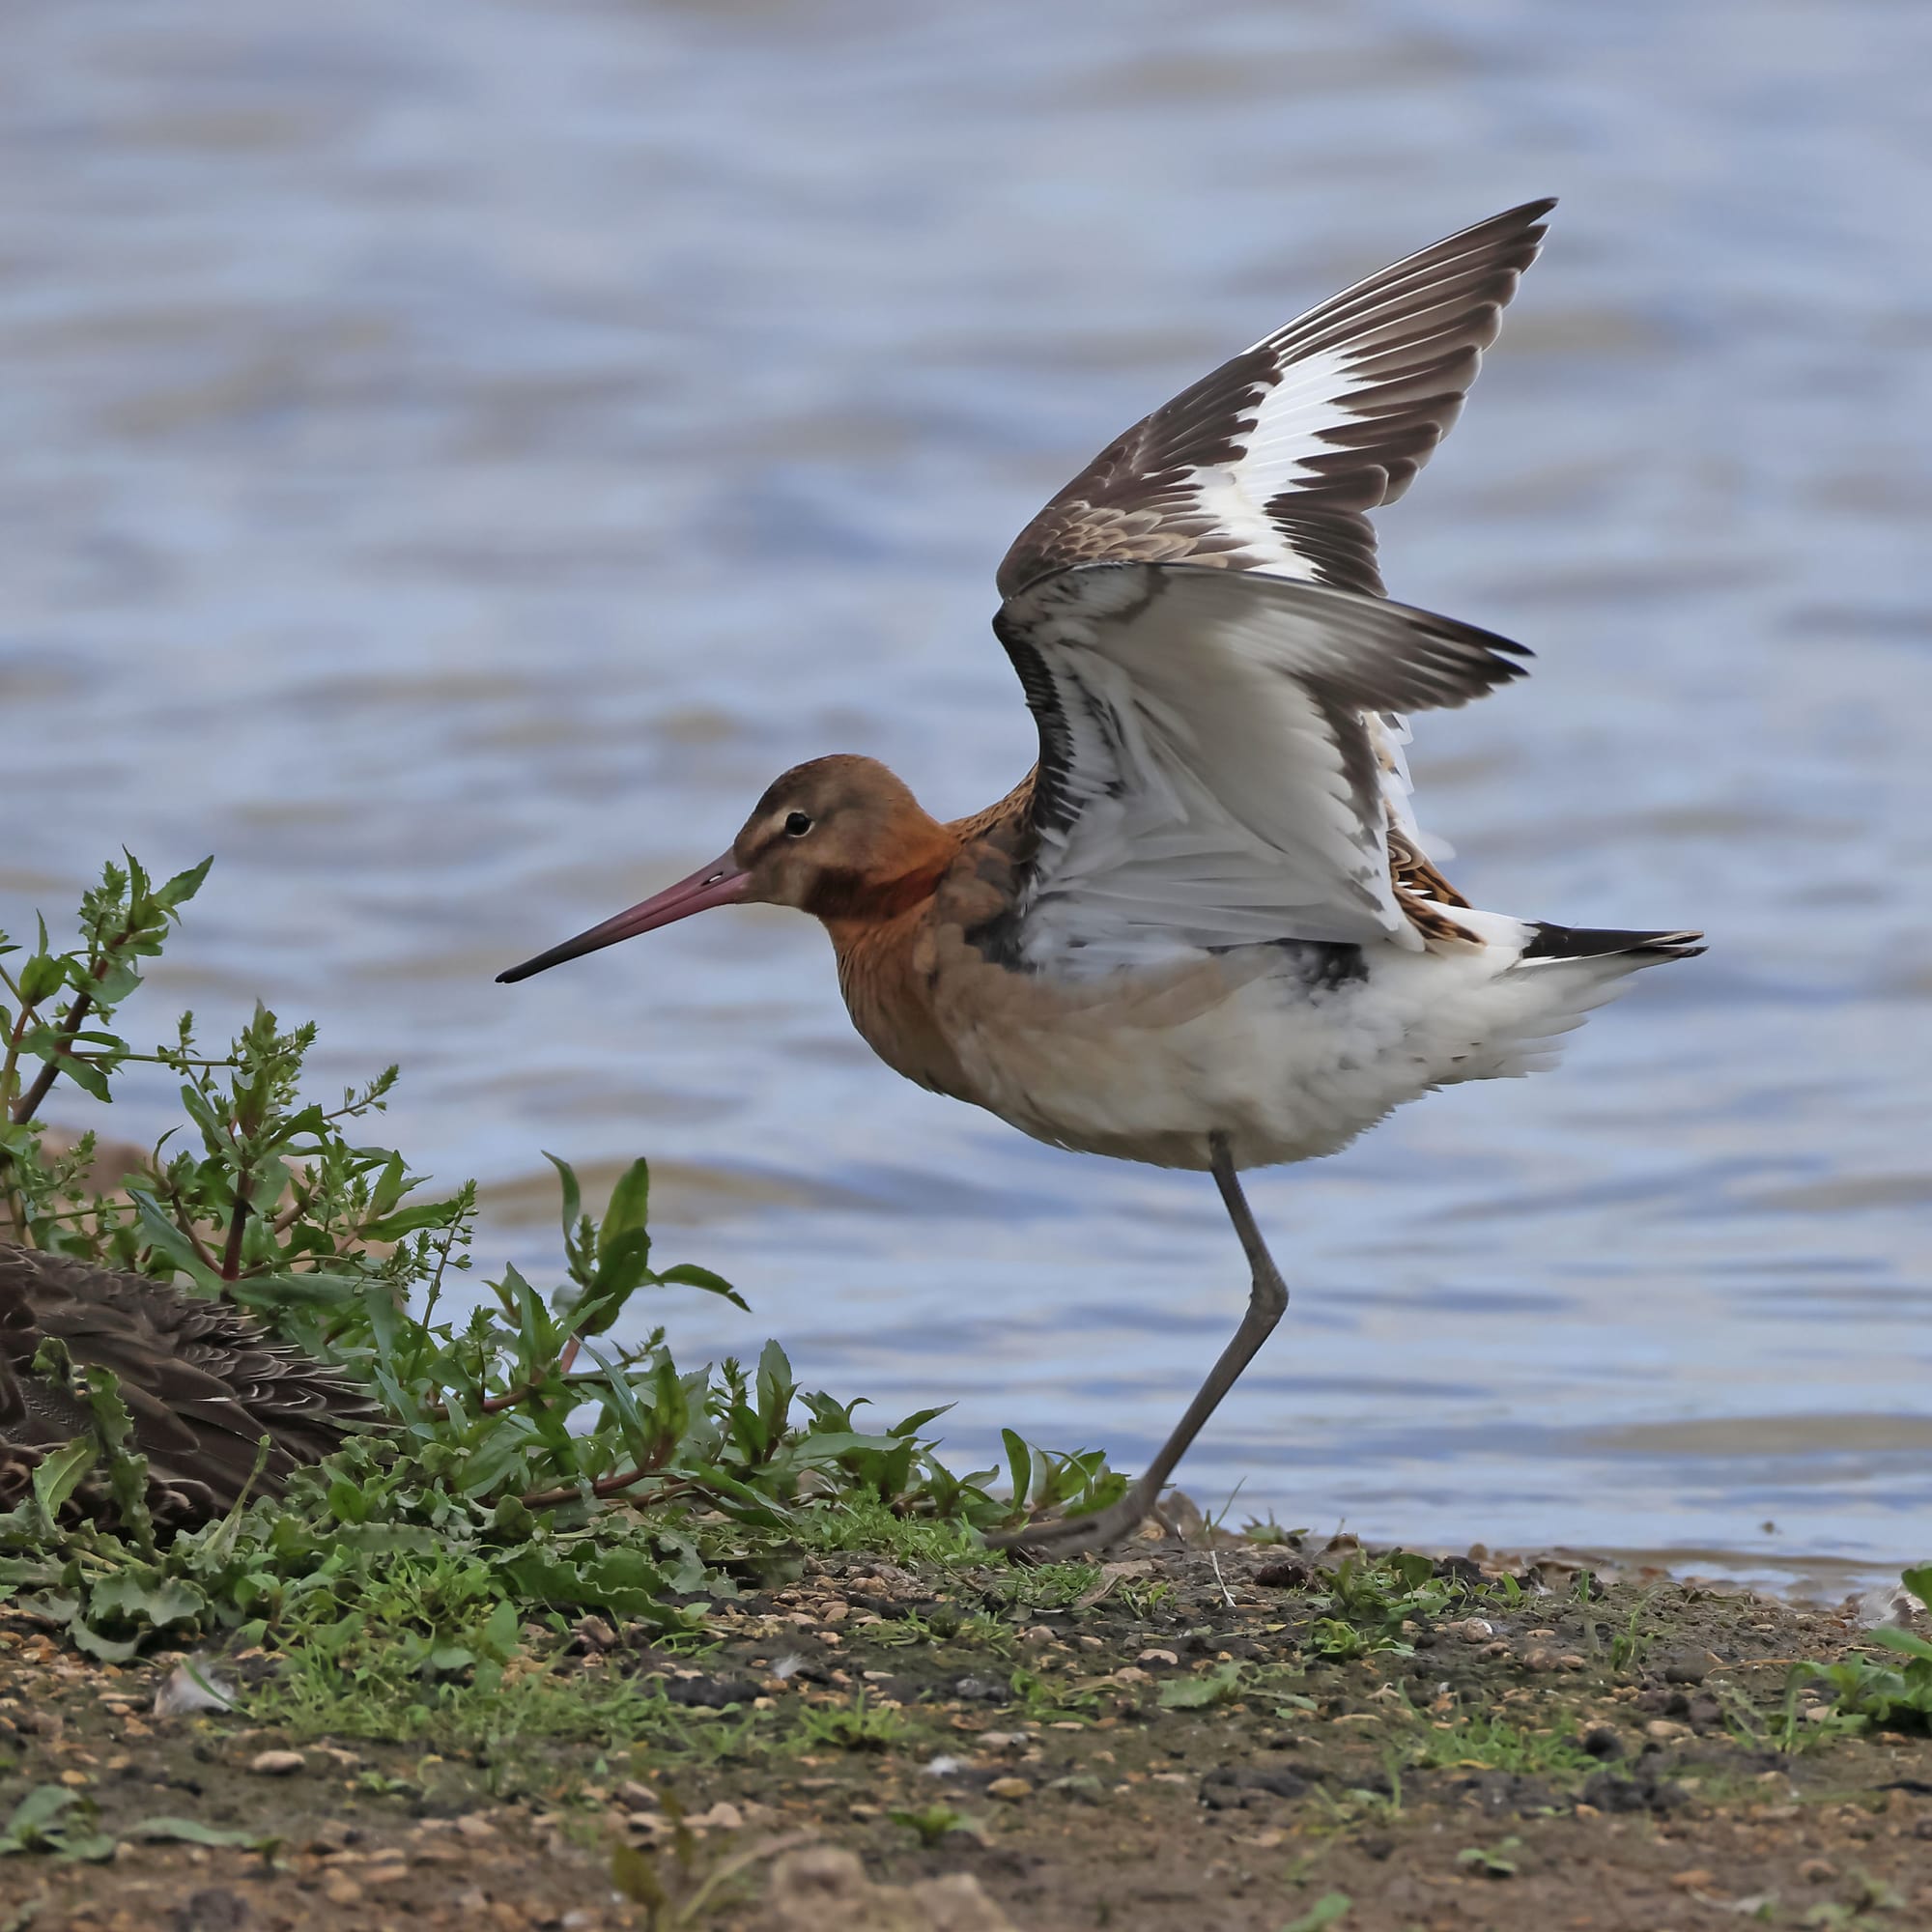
(605, 1486)
(29, 1102)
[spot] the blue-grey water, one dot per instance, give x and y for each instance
(452, 456)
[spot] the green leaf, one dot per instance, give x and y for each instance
(182, 887)
(630, 1201)
(502, 1631)
(1200, 1693)
(623, 1264)
(1019, 1461)
(918, 1420)
(104, 1649)
(126, 1594)
(573, 1193)
(31, 1817)
(1413, 1570)
(411, 1220)
(634, 1874)
(193, 1832)
(1918, 1582)
(162, 1235)
(41, 976)
(1911, 1645)
(687, 1275)
(1326, 1909)
(59, 1475)
(85, 1075)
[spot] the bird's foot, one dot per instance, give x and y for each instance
(1064, 1537)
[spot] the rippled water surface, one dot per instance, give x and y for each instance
(451, 457)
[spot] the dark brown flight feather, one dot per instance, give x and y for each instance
(1414, 335)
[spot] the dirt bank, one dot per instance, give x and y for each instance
(1235, 1737)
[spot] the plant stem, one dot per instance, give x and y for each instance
(605, 1486)
(231, 1252)
(29, 1104)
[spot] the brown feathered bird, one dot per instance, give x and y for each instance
(203, 1384)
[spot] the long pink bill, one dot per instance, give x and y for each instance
(716, 884)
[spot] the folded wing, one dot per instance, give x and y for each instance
(1207, 775)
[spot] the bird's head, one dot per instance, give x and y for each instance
(841, 838)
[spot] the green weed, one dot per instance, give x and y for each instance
(860, 1725)
(536, 1469)
(1897, 1695)
(1494, 1744)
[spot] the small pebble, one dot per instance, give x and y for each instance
(278, 1763)
(1695, 1880)
(1010, 1788)
(1816, 1872)
(1664, 1728)
(1157, 1657)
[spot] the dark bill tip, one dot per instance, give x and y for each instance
(718, 883)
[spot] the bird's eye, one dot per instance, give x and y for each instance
(797, 824)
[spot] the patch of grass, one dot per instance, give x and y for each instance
(1048, 1586)
(1494, 1744)
(1631, 1644)
(860, 1725)
(1045, 1702)
(1146, 1601)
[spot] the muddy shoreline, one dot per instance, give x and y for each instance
(1185, 1740)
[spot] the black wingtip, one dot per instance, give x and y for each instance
(1584, 941)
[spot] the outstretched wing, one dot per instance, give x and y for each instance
(1208, 777)
(1269, 462)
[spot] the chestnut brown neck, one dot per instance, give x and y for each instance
(850, 901)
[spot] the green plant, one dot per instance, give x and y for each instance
(1372, 1599)
(52, 1818)
(934, 1823)
(1898, 1696)
(860, 1725)
(1043, 1480)
(536, 1469)
(1220, 1686)
(1331, 1909)
(1492, 1861)
(1494, 1744)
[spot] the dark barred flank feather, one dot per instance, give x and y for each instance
(202, 1382)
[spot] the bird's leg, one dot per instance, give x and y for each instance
(1267, 1299)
